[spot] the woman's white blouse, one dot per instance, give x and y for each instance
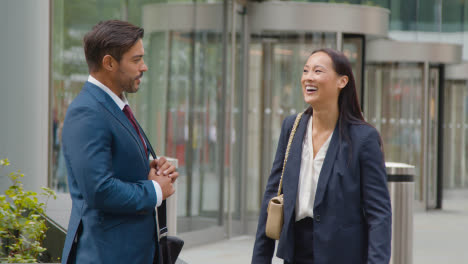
(309, 174)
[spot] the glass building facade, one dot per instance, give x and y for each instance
(221, 81)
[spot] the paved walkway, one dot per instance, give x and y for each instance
(440, 236)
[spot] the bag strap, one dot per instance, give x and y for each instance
(161, 214)
(291, 136)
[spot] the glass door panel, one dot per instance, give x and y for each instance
(353, 47)
(455, 129)
(407, 117)
(179, 111)
(254, 138)
(394, 105)
(188, 117)
(237, 142)
(194, 96)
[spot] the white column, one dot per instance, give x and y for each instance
(24, 89)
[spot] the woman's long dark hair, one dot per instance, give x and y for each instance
(348, 104)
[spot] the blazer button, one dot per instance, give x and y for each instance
(317, 218)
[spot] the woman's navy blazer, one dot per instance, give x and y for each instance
(352, 212)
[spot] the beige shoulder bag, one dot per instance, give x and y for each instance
(275, 209)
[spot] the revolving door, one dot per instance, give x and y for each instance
(403, 87)
(215, 99)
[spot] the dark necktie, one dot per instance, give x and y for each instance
(128, 112)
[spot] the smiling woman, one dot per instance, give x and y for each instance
(334, 183)
(321, 85)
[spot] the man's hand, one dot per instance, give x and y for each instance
(165, 174)
(165, 168)
(164, 182)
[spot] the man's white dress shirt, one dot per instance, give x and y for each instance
(309, 174)
(121, 103)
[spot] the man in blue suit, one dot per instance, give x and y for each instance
(113, 186)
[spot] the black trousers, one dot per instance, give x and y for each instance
(304, 235)
(72, 255)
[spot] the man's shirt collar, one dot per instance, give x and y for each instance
(120, 102)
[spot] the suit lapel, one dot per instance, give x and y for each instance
(327, 167)
(112, 107)
(293, 167)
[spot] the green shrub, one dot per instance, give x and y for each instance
(22, 228)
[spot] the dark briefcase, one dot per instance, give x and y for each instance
(170, 246)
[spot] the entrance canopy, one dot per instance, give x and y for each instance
(384, 50)
(271, 16)
(457, 71)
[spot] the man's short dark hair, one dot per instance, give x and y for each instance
(111, 37)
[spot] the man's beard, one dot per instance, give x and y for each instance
(130, 86)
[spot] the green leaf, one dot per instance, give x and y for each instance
(20, 221)
(4, 162)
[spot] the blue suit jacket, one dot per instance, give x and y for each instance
(352, 213)
(107, 175)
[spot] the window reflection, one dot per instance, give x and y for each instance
(179, 110)
(71, 20)
(182, 109)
